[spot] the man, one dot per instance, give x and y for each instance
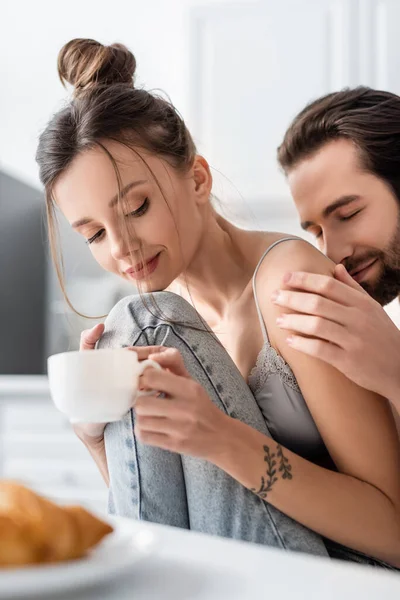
(341, 156)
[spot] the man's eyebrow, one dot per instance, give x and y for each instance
(342, 201)
(112, 202)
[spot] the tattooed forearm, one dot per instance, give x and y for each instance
(284, 468)
(267, 483)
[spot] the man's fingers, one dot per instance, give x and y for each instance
(329, 353)
(90, 337)
(343, 275)
(313, 326)
(323, 285)
(312, 304)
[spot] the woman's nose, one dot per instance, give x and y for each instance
(121, 246)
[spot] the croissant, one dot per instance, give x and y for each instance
(35, 530)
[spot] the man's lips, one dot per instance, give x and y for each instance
(360, 270)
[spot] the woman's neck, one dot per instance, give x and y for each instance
(222, 267)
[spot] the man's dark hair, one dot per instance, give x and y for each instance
(368, 118)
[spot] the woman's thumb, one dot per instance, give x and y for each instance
(90, 337)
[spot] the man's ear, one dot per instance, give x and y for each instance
(202, 179)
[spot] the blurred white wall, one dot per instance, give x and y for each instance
(237, 71)
(31, 35)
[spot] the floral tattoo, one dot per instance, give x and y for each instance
(273, 471)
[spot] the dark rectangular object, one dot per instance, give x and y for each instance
(22, 278)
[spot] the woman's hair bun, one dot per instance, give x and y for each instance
(87, 64)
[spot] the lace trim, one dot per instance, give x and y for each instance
(269, 362)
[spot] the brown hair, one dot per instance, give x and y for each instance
(369, 118)
(106, 105)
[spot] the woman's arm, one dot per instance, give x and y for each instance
(360, 505)
(92, 434)
(340, 506)
(98, 454)
(97, 450)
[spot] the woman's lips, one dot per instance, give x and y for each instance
(360, 274)
(142, 271)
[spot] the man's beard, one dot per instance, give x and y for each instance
(387, 287)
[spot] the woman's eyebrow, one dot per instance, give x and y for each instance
(112, 202)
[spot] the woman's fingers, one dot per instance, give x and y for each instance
(166, 423)
(312, 326)
(153, 406)
(160, 440)
(167, 358)
(143, 352)
(90, 337)
(168, 382)
(155, 424)
(172, 360)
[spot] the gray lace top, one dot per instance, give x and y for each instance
(279, 397)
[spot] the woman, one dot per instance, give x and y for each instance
(306, 460)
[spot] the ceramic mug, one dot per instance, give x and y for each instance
(96, 386)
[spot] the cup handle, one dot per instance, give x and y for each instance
(142, 367)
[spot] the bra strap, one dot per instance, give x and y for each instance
(260, 317)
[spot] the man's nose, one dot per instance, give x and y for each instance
(336, 248)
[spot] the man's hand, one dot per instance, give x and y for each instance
(336, 321)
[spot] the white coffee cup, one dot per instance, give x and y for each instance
(96, 386)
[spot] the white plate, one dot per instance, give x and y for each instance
(114, 556)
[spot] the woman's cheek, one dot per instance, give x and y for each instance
(105, 260)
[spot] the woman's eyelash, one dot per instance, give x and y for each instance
(141, 210)
(135, 213)
(95, 237)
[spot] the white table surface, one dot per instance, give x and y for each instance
(22, 385)
(188, 565)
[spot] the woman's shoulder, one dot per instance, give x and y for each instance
(294, 254)
(285, 253)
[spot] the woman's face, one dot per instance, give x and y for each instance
(157, 236)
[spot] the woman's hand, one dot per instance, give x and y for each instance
(185, 420)
(336, 321)
(92, 434)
